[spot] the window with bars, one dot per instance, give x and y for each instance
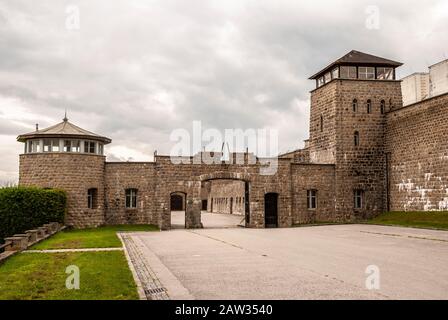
(92, 195)
(131, 198)
(358, 197)
(311, 197)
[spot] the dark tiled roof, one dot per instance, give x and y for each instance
(358, 58)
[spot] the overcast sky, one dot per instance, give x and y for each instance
(135, 70)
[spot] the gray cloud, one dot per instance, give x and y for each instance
(136, 70)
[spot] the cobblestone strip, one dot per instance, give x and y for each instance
(149, 284)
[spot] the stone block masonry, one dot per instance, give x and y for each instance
(417, 148)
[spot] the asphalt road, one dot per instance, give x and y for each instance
(324, 262)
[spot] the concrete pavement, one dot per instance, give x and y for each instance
(323, 262)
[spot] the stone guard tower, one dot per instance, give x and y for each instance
(68, 157)
(347, 129)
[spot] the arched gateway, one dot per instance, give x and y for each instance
(189, 177)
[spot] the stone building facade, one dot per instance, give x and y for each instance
(366, 154)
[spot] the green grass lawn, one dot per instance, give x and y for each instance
(103, 275)
(429, 219)
(101, 237)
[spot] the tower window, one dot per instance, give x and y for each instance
(33, 146)
(358, 196)
(367, 73)
(311, 199)
(356, 138)
(348, 72)
(320, 82)
(51, 145)
(131, 198)
(321, 123)
(92, 195)
(355, 105)
(369, 106)
(383, 106)
(385, 73)
(89, 147)
(335, 73)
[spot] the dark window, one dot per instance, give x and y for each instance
(321, 123)
(311, 198)
(383, 106)
(358, 196)
(92, 198)
(369, 106)
(131, 198)
(355, 105)
(89, 147)
(356, 138)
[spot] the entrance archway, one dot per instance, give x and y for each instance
(178, 203)
(229, 202)
(271, 210)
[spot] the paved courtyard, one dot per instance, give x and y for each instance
(324, 262)
(209, 220)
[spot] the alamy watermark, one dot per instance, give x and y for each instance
(373, 277)
(72, 281)
(261, 142)
(72, 20)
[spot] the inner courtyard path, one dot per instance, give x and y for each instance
(209, 220)
(321, 262)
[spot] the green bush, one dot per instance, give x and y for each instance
(25, 208)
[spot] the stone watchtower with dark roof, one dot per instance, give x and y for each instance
(347, 127)
(68, 157)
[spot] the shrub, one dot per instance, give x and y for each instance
(25, 208)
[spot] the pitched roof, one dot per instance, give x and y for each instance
(63, 129)
(358, 58)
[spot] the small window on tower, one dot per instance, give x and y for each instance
(356, 138)
(383, 106)
(92, 198)
(369, 106)
(321, 123)
(358, 196)
(355, 105)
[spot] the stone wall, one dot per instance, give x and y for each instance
(417, 146)
(362, 167)
(318, 177)
(130, 175)
(74, 173)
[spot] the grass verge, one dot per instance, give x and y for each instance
(427, 219)
(33, 276)
(101, 237)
